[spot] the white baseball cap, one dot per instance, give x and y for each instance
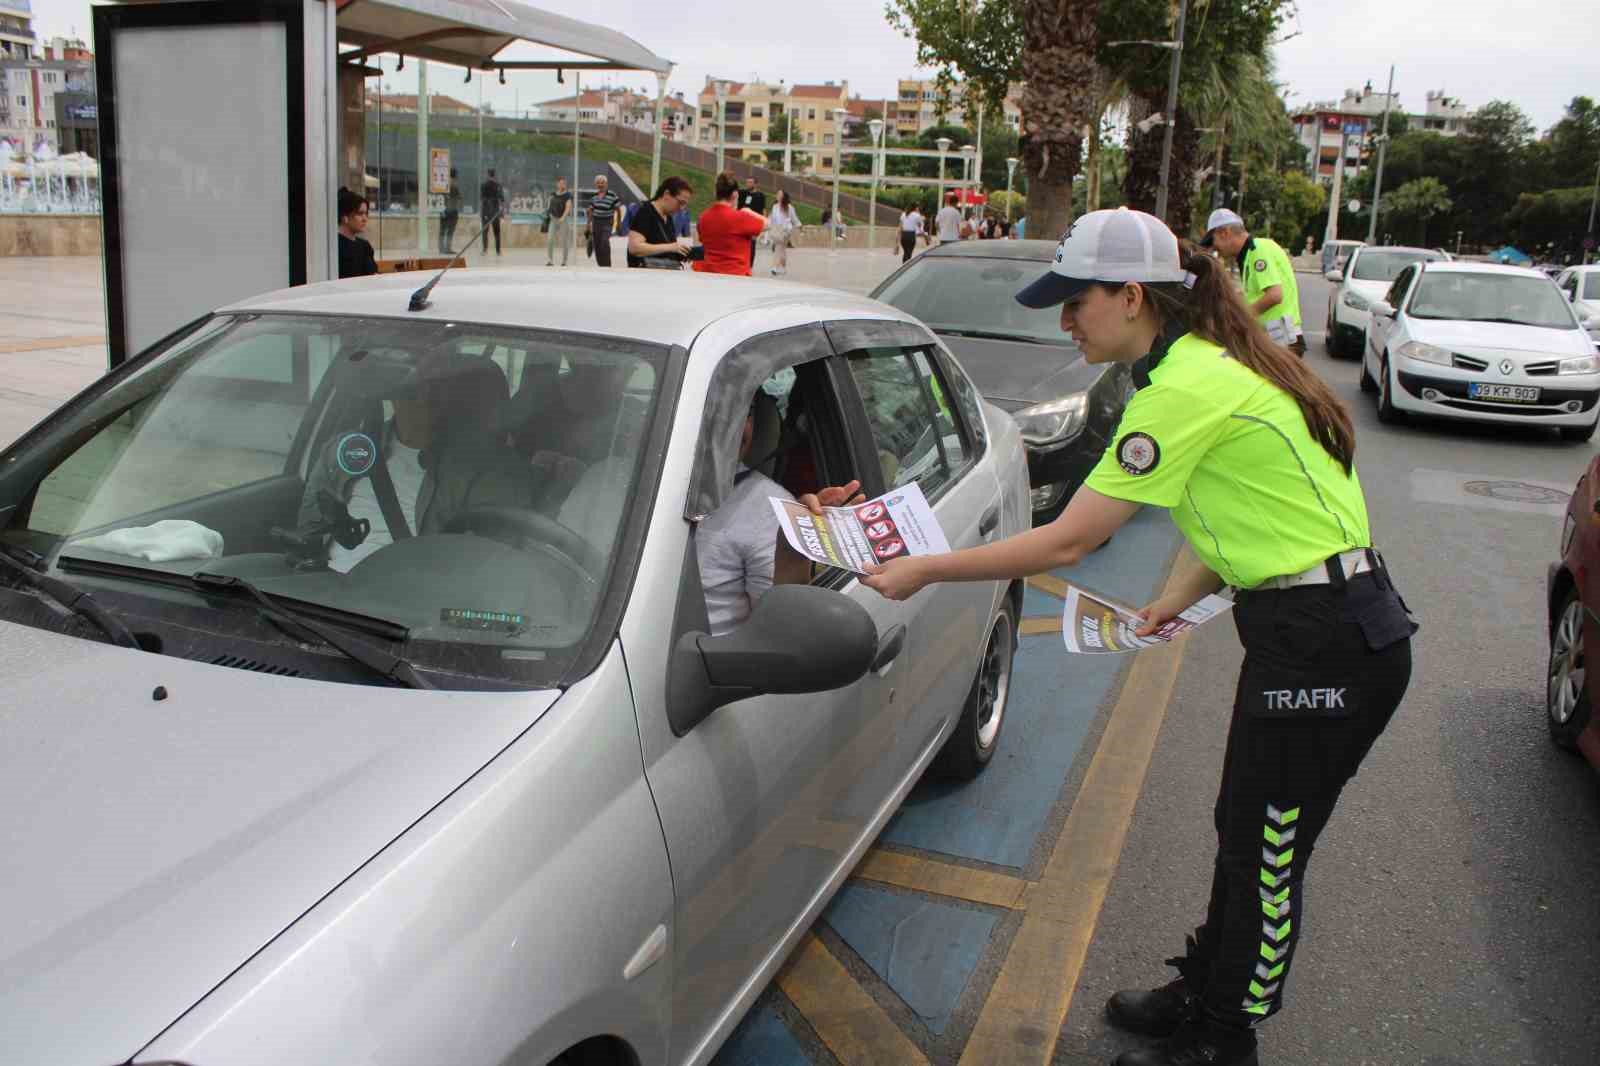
(1110, 245)
(1219, 218)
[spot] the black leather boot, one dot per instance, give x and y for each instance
(1151, 1012)
(1199, 1041)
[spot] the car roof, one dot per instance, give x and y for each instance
(1458, 266)
(1032, 251)
(1396, 248)
(652, 305)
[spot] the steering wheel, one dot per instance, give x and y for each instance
(531, 530)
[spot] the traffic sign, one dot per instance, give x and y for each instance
(1354, 127)
(1354, 206)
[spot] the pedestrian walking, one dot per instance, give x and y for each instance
(911, 223)
(652, 229)
(452, 214)
(948, 220)
(1270, 288)
(491, 196)
(1254, 457)
(752, 199)
(781, 224)
(727, 231)
(355, 254)
(602, 215)
(559, 212)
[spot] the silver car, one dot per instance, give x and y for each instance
(360, 703)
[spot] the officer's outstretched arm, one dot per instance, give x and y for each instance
(1269, 298)
(1087, 523)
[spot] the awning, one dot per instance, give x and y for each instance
(470, 33)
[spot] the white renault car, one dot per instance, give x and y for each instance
(1361, 282)
(1581, 286)
(1484, 343)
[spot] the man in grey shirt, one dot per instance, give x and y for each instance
(948, 220)
(742, 551)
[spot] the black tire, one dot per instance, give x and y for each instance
(1388, 413)
(1329, 340)
(1579, 434)
(977, 734)
(1367, 384)
(1566, 701)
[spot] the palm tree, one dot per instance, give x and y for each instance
(1060, 97)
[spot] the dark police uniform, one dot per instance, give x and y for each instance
(1326, 638)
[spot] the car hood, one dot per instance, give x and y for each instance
(1015, 374)
(1372, 290)
(152, 845)
(1499, 337)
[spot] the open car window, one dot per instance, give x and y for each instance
(466, 483)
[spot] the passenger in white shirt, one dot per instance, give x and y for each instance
(948, 220)
(781, 223)
(911, 223)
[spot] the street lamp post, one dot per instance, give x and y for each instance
(1011, 170)
(944, 144)
(721, 88)
(655, 155)
(1588, 233)
(838, 136)
(968, 154)
(876, 126)
(1172, 112)
(1383, 148)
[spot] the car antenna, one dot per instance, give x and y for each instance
(419, 299)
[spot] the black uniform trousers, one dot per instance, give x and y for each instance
(1325, 668)
(908, 244)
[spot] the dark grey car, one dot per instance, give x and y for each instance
(1019, 358)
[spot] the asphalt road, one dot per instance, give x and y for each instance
(1453, 901)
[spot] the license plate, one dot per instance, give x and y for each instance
(1479, 390)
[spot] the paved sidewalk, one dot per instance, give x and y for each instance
(52, 316)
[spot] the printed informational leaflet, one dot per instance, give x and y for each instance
(853, 538)
(1092, 623)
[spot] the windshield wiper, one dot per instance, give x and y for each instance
(297, 625)
(992, 335)
(25, 565)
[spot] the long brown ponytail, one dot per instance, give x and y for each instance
(1214, 310)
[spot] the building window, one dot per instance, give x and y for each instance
(755, 136)
(22, 101)
(811, 138)
(757, 112)
(827, 138)
(49, 123)
(811, 113)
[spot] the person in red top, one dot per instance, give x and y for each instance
(726, 231)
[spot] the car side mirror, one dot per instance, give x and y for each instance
(798, 639)
(1382, 309)
(1334, 275)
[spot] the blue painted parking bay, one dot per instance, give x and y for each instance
(916, 951)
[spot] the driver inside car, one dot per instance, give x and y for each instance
(453, 414)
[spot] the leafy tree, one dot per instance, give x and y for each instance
(1552, 221)
(1574, 143)
(1418, 201)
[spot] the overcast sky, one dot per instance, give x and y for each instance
(1477, 50)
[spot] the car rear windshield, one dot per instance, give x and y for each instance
(466, 483)
(1470, 297)
(954, 294)
(1591, 286)
(1386, 266)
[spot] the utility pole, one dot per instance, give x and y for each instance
(1216, 195)
(422, 158)
(1588, 243)
(1172, 111)
(1383, 148)
(1332, 231)
(661, 117)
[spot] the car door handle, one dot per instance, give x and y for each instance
(889, 649)
(990, 519)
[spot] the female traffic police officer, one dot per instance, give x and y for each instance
(1253, 455)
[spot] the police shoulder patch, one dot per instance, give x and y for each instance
(1261, 264)
(1138, 453)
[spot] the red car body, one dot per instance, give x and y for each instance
(1574, 611)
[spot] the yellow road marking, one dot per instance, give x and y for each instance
(848, 1020)
(40, 344)
(1021, 1020)
(944, 879)
(1031, 627)
(1049, 583)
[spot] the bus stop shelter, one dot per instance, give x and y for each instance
(228, 126)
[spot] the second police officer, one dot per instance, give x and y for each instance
(1270, 289)
(1254, 457)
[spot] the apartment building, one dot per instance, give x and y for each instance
(622, 107)
(750, 107)
(31, 116)
(16, 30)
(919, 108)
(1323, 126)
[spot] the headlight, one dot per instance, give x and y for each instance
(1428, 353)
(1583, 364)
(1054, 422)
(1357, 302)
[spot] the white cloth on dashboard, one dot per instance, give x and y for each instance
(164, 542)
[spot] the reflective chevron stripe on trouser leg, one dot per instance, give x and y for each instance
(1277, 925)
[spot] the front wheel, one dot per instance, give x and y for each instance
(977, 733)
(1567, 695)
(1367, 384)
(1388, 413)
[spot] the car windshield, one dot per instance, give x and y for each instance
(1591, 286)
(464, 482)
(1386, 266)
(1473, 297)
(956, 294)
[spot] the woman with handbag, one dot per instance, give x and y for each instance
(782, 222)
(652, 236)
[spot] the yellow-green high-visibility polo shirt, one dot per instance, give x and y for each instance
(1229, 454)
(1263, 263)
